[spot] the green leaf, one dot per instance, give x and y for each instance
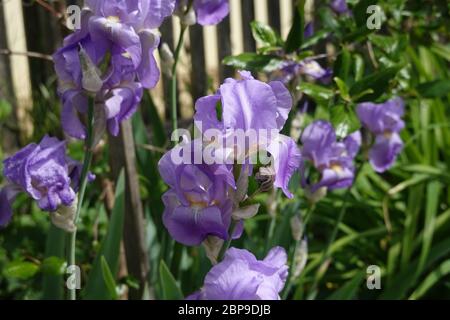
(378, 82)
(96, 288)
(170, 288)
(441, 50)
(320, 94)
(148, 169)
(434, 89)
(359, 67)
(407, 279)
(53, 266)
(295, 37)
(265, 34)
(349, 290)
(319, 35)
(432, 205)
(253, 62)
(343, 89)
(342, 65)
(344, 120)
(434, 277)
(109, 279)
(20, 270)
(53, 288)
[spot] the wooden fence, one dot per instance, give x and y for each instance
(34, 26)
(30, 31)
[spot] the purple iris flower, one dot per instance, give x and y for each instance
(140, 14)
(197, 204)
(117, 38)
(208, 12)
(293, 69)
(339, 6)
(385, 122)
(240, 276)
(252, 105)
(44, 172)
(330, 159)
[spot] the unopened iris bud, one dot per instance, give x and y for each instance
(64, 217)
(317, 195)
(300, 259)
(186, 13)
(212, 247)
(297, 227)
(91, 80)
(189, 18)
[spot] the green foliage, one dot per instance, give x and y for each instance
(398, 220)
(97, 287)
(295, 38)
(170, 288)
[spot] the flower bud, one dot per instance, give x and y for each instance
(91, 80)
(99, 126)
(297, 227)
(189, 18)
(316, 196)
(301, 257)
(212, 246)
(64, 217)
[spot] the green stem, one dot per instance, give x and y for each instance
(273, 221)
(82, 189)
(291, 279)
(327, 252)
(174, 78)
(176, 259)
(227, 244)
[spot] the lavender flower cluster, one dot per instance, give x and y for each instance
(205, 202)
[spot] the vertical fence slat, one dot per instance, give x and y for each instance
(20, 69)
(274, 14)
(248, 15)
(224, 47)
(5, 73)
(122, 147)
(9, 140)
(199, 81)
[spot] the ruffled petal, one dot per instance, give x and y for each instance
(7, 196)
(73, 101)
(191, 226)
(284, 100)
(385, 151)
(211, 12)
(148, 72)
(287, 157)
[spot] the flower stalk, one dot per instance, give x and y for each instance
(82, 191)
(173, 82)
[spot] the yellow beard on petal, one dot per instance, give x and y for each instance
(113, 19)
(387, 134)
(126, 55)
(337, 168)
